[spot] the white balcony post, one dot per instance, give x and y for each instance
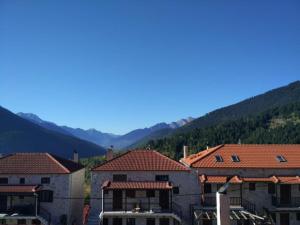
(223, 209)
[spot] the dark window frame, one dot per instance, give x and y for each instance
(22, 180)
(45, 180)
(3, 180)
(120, 177)
(46, 196)
(163, 177)
(219, 158)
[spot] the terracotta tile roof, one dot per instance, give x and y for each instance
(137, 185)
(141, 160)
(36, 163)
(251, 156)
(19, 188)
(235, 180)
(219, 179)
(289, 180)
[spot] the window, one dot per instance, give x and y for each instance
(105, 221)
(176, 190)
(164, 221)
(271, 188)
(36, 222)
(150, 221)
(298, 216)
(22, 221)
(280, 158)
(21, 197)
(207, 188)
(218, 158)
(22, 180)
(130, 193)
(150, 193)
(45, 180)
(117, 221)
(120, 177)
(251, 186)
(46, 196)
(162, 178)
(3, 180)
(130, 221)
(235, 158)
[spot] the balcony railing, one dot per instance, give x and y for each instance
(20, 210)
(234, 201)
(279, 202)
(142, 205)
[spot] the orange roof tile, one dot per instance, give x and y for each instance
(219, 179)
(250, 155)
(137, 185)
(141, 160)
(235, 180)
(36, 163)
(19, 188)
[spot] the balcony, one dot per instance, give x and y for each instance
(286, 203)
(235, 202)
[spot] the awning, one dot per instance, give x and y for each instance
(137, 185)
(19, 188)
(236, 180)
(219, 179)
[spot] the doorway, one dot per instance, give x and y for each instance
(285, 194)
(164, 199)
(284, 219)
(117, 200)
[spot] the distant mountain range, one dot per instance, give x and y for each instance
(20, 135)
(272, 117)
(28, 132)
(105, 139)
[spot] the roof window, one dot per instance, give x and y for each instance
(219, 158)
(235, 158)
(280, 158)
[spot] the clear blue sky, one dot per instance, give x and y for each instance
(121, 65)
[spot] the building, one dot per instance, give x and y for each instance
(40, 188)
(142, 187)
(264, 183)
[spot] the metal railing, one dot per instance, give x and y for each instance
(22, 210)
(142, 205)
(43, 213)
(279, 202)
(234, 201)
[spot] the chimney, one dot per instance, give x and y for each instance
(75, 156)
(185, 151)
(109, 153)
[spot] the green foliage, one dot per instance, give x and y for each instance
(258, 129)
(89, 163)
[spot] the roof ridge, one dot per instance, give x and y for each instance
(57, 162)
(108, 161)
(209, 152)
(172, 160)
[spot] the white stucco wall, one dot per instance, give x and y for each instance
(186, 181)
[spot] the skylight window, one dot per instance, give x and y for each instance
(218, 158)
(235, 158)
(280, 158)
